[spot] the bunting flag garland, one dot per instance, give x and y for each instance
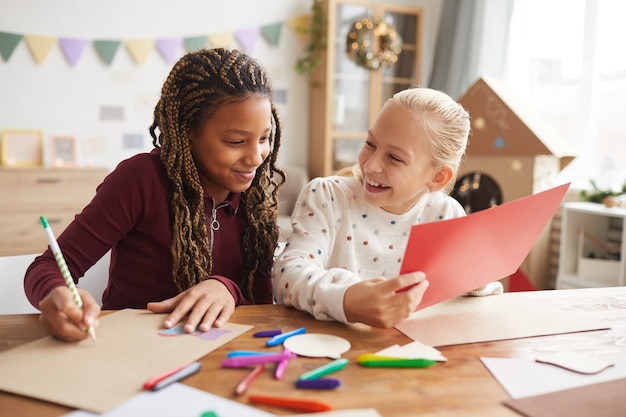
(271, 33)
(195, 43)
(169, 48)
(8, 42)
(39, 46)
(106, 50)
(221, 40)
(247, 38)
(297, 24)
(72, 49)
(139, 49)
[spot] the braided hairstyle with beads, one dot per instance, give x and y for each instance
(197, 86)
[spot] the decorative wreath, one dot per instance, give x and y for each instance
(373, 44)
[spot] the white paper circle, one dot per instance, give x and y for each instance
(317, 345)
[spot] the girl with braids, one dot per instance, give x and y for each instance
(191, 225)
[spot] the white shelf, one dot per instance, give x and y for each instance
(602, 225)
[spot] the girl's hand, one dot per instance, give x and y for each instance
(208, 303)
(381, 302)
(64, 319)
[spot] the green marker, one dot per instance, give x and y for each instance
(331, 367)
(377, 361)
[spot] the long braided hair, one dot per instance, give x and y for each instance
(199, 84)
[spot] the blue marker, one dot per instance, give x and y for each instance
(278, 339)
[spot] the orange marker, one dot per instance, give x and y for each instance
(245, 383)
(300, 404)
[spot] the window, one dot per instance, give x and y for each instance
(566, 58)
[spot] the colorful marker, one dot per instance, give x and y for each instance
(267, 333)
(377, 361)
(235, 353)
(169, 377)
(299, 404)
(281, 366)
(322, 383)
(245, 383)
(334, 366)
(65, 272)
(278, 339)
(240, 361)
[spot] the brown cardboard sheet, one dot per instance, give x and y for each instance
(129, 350)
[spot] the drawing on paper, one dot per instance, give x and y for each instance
(212, 334)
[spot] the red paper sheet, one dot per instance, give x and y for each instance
(462, 254)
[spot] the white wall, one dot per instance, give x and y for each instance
(63, 100)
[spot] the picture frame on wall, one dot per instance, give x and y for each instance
(21, 148)
(63, 151)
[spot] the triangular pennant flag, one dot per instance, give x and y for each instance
(271, 33)
(72, 49)
(139, 49)
(8, 42)
(247, 38)
(169, 48)
(106, 50)
(221, 40)
(299, 26)
(195, 43)
(39, 46)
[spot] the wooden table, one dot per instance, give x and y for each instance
(460, 386)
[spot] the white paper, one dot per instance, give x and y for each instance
(177, 400)
(413, 350)
(524, 377)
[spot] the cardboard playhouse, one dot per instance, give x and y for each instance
(512, 153)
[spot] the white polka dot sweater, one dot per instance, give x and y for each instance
(339, 239)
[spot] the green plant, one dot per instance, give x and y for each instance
(596, 195)
(317, 40)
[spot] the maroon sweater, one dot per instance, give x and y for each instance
(130, 215)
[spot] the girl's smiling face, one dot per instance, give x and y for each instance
(396, 161)
(231, 144)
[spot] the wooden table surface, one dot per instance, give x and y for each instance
(462, 386)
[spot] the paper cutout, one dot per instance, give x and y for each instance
(139, 49)
(212, 334)
(39, 46)
(8, 42)
(271, 33)
(195, 43)
(459, 255)
(316, 345)
(72, 49)
(101, 377)
(106, 49)
(169, 48)
(247, 38)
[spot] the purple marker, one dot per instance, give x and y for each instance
(322, 383)
(267, 333)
